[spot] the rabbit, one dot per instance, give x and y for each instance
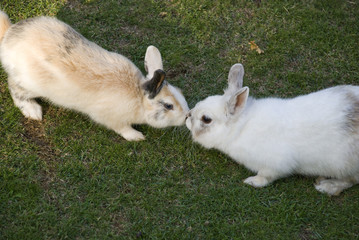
(315, 134)
(46, 58)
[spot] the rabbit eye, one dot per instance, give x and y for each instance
(168, 106)
(206, 120)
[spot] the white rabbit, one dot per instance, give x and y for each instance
(45, 57)
(315, 134)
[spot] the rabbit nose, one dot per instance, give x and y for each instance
(188, 115)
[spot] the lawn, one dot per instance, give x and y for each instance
(69, 178)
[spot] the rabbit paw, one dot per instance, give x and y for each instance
(257, 181)
(31, 109)
(131, 134)
(332, 186)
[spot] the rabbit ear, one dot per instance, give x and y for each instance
(154, 86)
(238, 101)
(235, 78)
(153, 61)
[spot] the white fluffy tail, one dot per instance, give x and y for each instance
(4, 24)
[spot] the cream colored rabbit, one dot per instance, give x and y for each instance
(315, 134)
(45, 57)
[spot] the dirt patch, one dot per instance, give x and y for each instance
(306, 234)
(118, 222)
(35, 133)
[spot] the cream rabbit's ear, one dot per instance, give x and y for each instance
(237, 101)
(153, 87)
(153, 61)
(235, 79)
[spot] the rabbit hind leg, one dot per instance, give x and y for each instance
(335, 186)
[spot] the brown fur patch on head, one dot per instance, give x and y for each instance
(165, 92)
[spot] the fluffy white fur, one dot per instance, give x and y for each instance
(45, 57)
(315, 134)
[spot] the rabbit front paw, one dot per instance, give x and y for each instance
(131, 134)
(31, 109)
(257, 181)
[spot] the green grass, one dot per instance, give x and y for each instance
(68, 178)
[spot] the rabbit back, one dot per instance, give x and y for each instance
(49, 59)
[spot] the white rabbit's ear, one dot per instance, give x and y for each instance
(235, 78)
(153, 87)
(238, 101)
(153, 61)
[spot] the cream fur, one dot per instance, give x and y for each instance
(4, 24)
(45, 57)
